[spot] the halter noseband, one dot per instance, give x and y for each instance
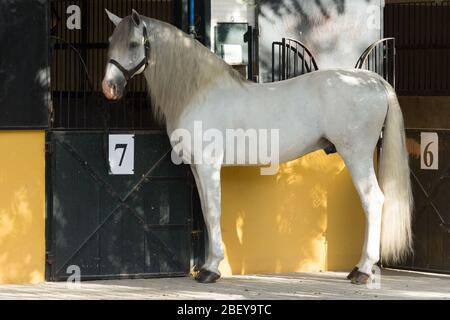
(128, 74)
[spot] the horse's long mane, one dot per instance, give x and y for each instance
(180, 69)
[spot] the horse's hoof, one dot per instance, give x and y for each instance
(206, 276)
(194, 271)
(360, 278)
(352, 274)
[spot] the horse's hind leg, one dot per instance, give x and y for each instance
(362, 171)
(202, 201)
(208, 183)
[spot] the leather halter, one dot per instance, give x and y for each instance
(128, 74)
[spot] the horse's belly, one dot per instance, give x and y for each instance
(269, 146)
(255, 127)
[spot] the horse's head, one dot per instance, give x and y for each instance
(128, 53)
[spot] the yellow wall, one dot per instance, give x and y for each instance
(307, 218)
(22, 206)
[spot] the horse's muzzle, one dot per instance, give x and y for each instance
(111, 90)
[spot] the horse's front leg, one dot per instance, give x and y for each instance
(207, 178)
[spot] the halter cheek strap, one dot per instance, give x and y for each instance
(128, 74)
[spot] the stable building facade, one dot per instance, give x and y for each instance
(62, 209)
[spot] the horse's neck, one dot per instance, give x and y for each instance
(181, 70)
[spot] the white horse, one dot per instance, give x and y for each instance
(344, 108)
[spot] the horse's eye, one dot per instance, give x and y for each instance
(134, 45)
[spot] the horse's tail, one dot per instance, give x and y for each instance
(394, 178)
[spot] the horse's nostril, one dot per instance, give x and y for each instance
(111, 85)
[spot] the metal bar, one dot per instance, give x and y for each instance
(50, 238)
(386, 58)
(290, 53)
(296, 60)
(145, 177)
(273, 61)
(280, 71)
(69, 83)
(283, 60)
(303, 60)
(394, 64)
(250, 52)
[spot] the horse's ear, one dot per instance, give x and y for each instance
(136, 17)
(114, 19)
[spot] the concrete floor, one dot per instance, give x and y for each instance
(328, 285)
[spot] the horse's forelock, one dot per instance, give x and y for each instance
(121, 36)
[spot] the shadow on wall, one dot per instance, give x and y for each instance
(22, 188)
(305, 21)
(336, 31)
(307, 218)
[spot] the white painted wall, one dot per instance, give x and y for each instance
(337, 32)
(228, 11)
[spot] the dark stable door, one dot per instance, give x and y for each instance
(112, 226)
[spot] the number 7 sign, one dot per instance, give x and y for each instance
(121, 153)
(429, 151)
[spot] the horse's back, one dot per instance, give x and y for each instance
(338, 105)
(322, 96)
(354, 105)
(342, 105)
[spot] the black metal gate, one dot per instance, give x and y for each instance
(291, 58)
(422, 52)
(111, 226)
(431, 191)
(380, 57)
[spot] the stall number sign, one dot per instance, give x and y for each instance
(429, 151)
(121, 153)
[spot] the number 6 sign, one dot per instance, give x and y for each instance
(429, 151)
(121, 153)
